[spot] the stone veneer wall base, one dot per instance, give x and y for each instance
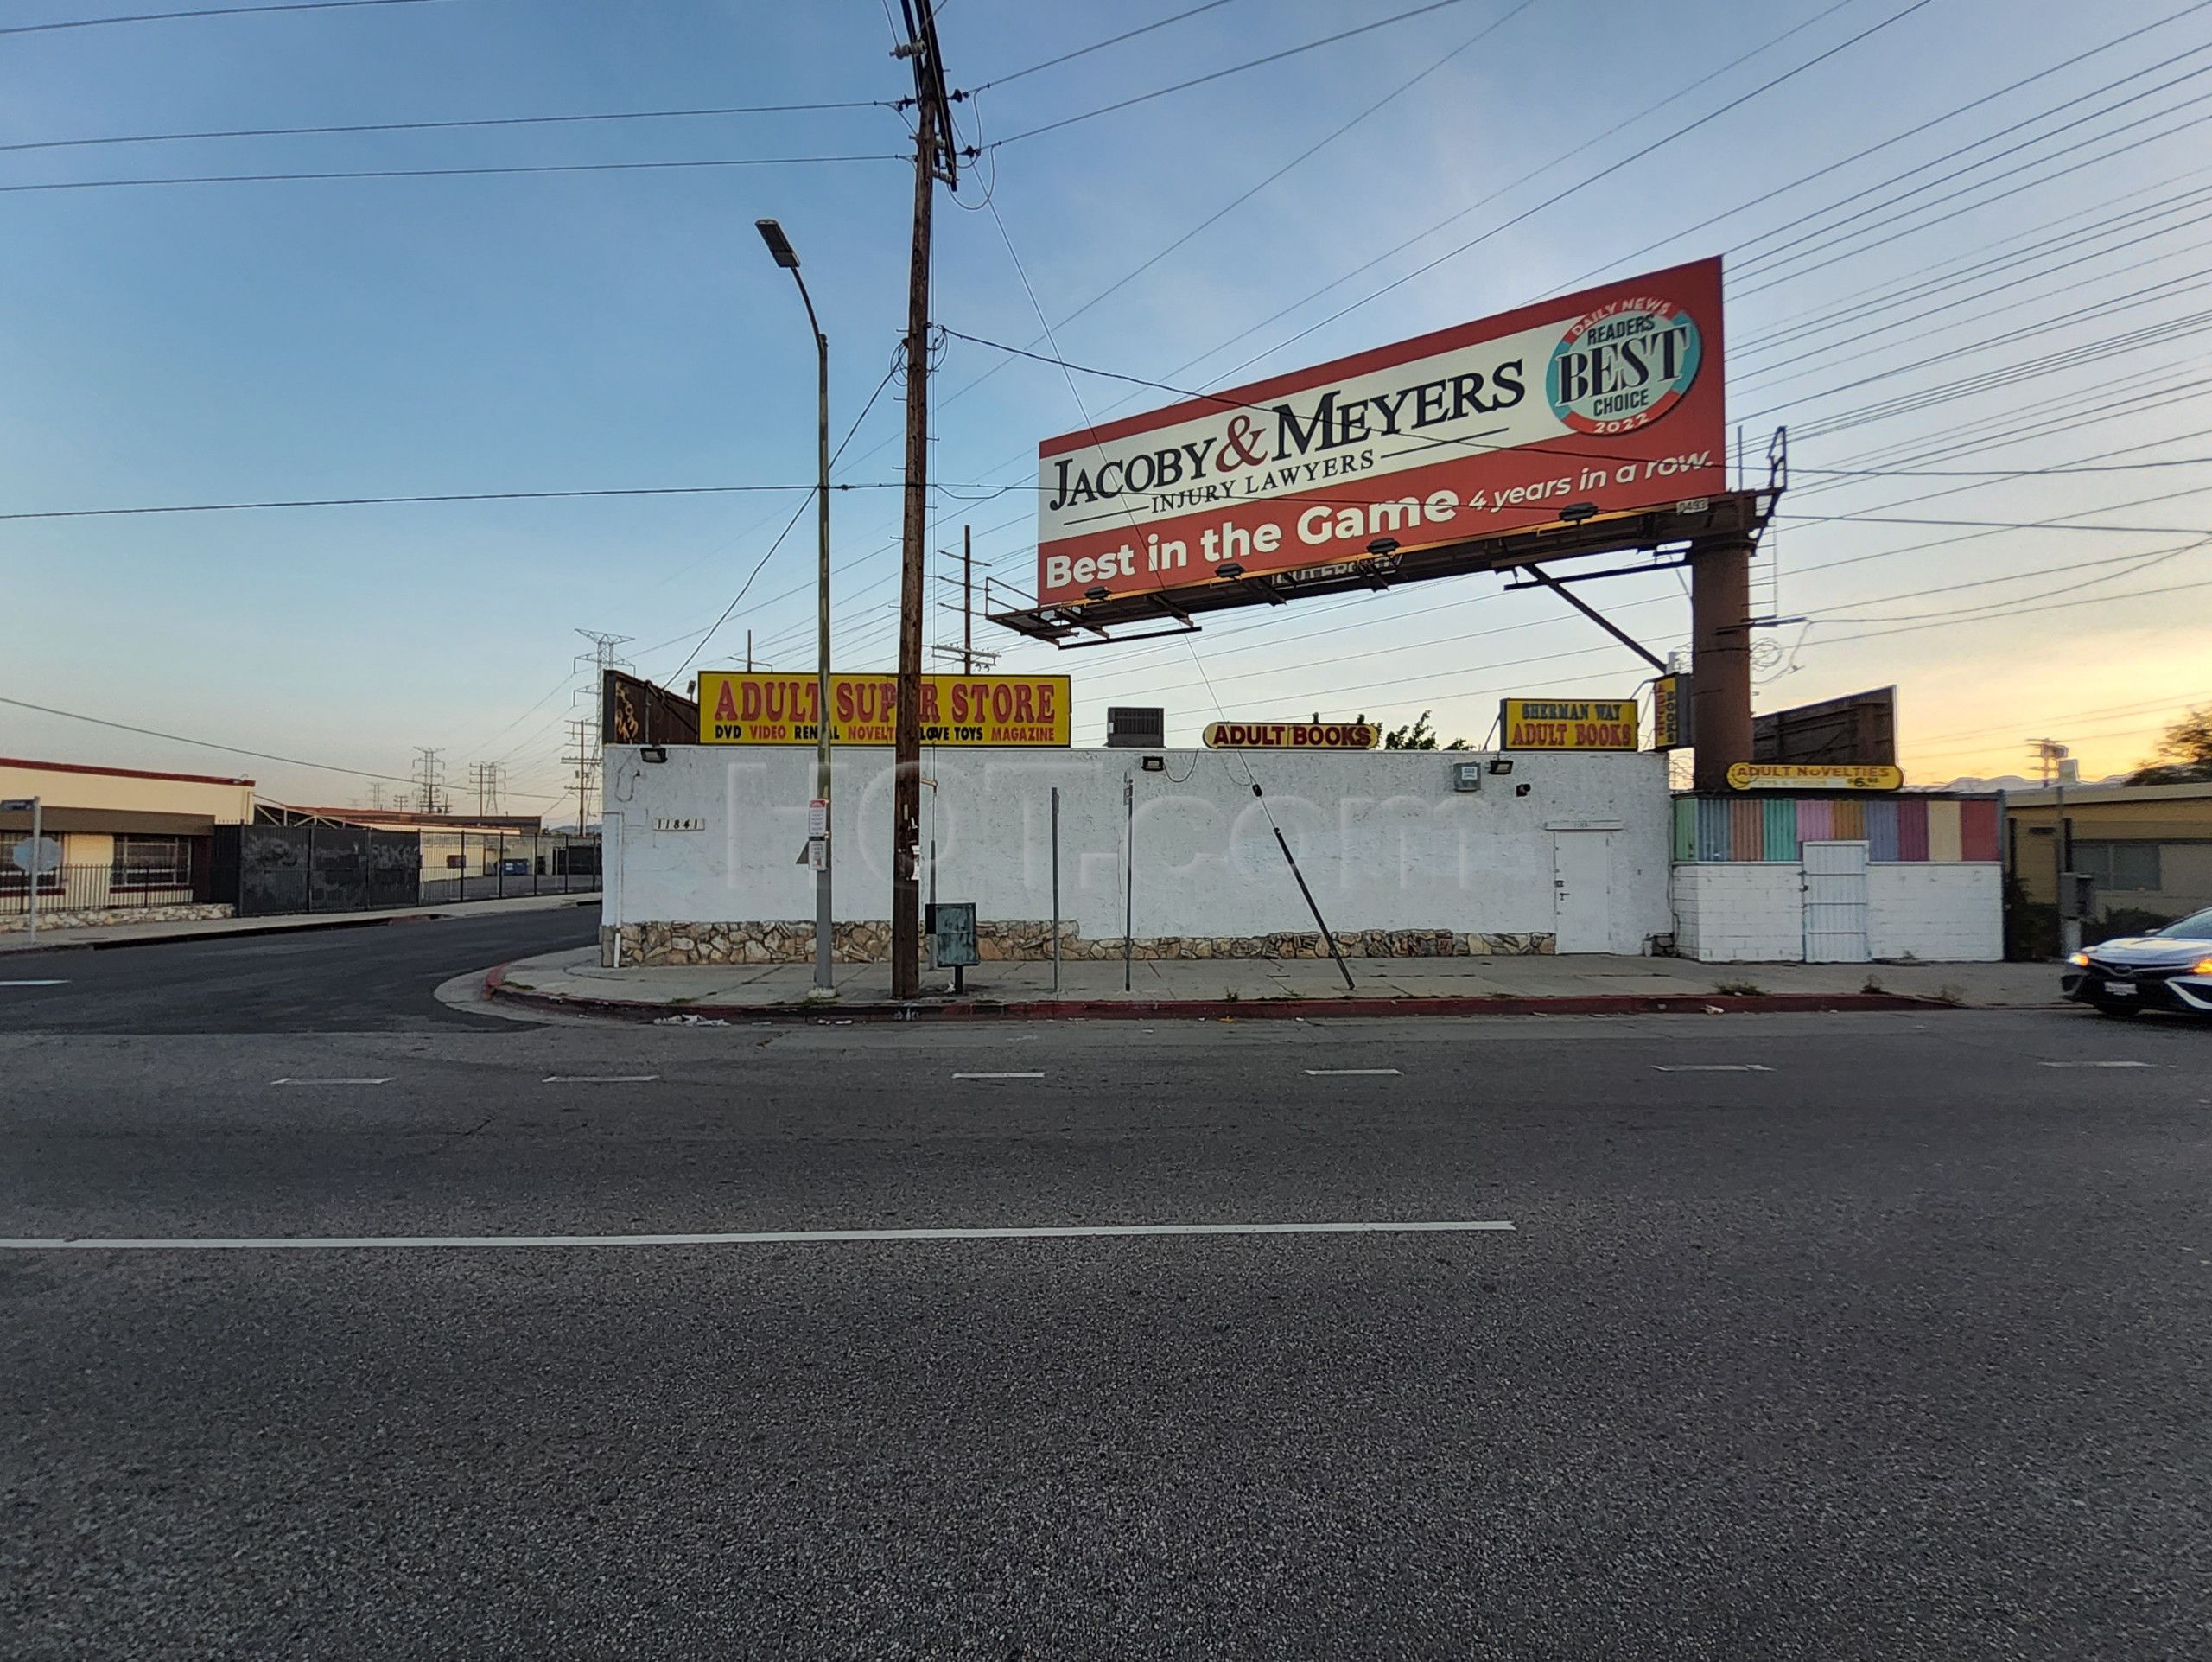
(1019, 941)
(182, 913)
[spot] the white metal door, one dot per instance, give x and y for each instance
(1582, 891)
(1835, 902)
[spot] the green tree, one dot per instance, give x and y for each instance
(1420, 735)
(2184, 753)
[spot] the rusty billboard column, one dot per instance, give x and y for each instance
(1720, 663)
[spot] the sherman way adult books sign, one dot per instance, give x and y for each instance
(1611, 398)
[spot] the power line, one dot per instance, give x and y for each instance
(1246, 195)
(462, 496)
(2004, 472)
(444, 126)
(1584, 184)
(1836, 228)
(1989, 617)
(205, 11)
(1895, 138)
(455, 173)
(1084, 51)
(1234, 69)
(207, 744)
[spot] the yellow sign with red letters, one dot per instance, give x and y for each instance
(771, 707)
(1569, 723)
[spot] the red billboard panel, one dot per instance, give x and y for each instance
(1609, 398)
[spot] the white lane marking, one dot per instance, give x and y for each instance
(2100, 1064)
(1348, 1073)
(1039, 1075)
(1712, 1067)
(288, 1080)
(755, 1237)
(35, 983)
(599, 1078)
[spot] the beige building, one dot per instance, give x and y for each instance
(2148, 847)
(135, 845)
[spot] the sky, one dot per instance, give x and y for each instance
(1929, 271)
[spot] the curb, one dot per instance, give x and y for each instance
(433, 915)
(1216, 1009)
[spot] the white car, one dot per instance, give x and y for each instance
(2169, 969)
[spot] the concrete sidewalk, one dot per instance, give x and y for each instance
(151, 935)
(1218, 987)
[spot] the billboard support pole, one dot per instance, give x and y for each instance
(1721, 658)
(1596, 616)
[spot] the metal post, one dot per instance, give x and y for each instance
(967, 602)
(823, 926)
(1312, 905)
(1056, 891)
(1129, 871)
(30, 896)
(780, 250)
(2069, 928)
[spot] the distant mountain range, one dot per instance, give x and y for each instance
(2013, 782)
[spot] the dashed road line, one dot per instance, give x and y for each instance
(1350, 1072)
(288, 1080)
(2100, 1064)
(599, 1078)
(62, 983)
(1711, 1067)
(1039, 1075)
(748, 1238)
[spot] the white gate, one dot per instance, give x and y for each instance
(1835, 902)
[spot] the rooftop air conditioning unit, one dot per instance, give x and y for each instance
(1130, 728)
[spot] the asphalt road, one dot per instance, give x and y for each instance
(1895, 1349)
(377, 977)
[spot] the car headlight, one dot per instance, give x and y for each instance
(2080, 959)
(2202, 966)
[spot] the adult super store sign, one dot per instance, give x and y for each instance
(1612, 396)
(756, 707)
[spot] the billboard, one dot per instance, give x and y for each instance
(1609, 398)
(1293, 735)
(1861, 728)
(633, 711)
(1568, 724)
(766, 707)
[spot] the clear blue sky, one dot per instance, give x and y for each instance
(200, 343)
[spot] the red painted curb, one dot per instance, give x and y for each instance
(1216, 1009)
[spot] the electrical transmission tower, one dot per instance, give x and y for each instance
(602, 657)
(583, 756)
(483, 783)
(430, 780)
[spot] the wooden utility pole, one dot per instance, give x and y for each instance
(935, 151)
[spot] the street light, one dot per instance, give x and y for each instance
(780, 250)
